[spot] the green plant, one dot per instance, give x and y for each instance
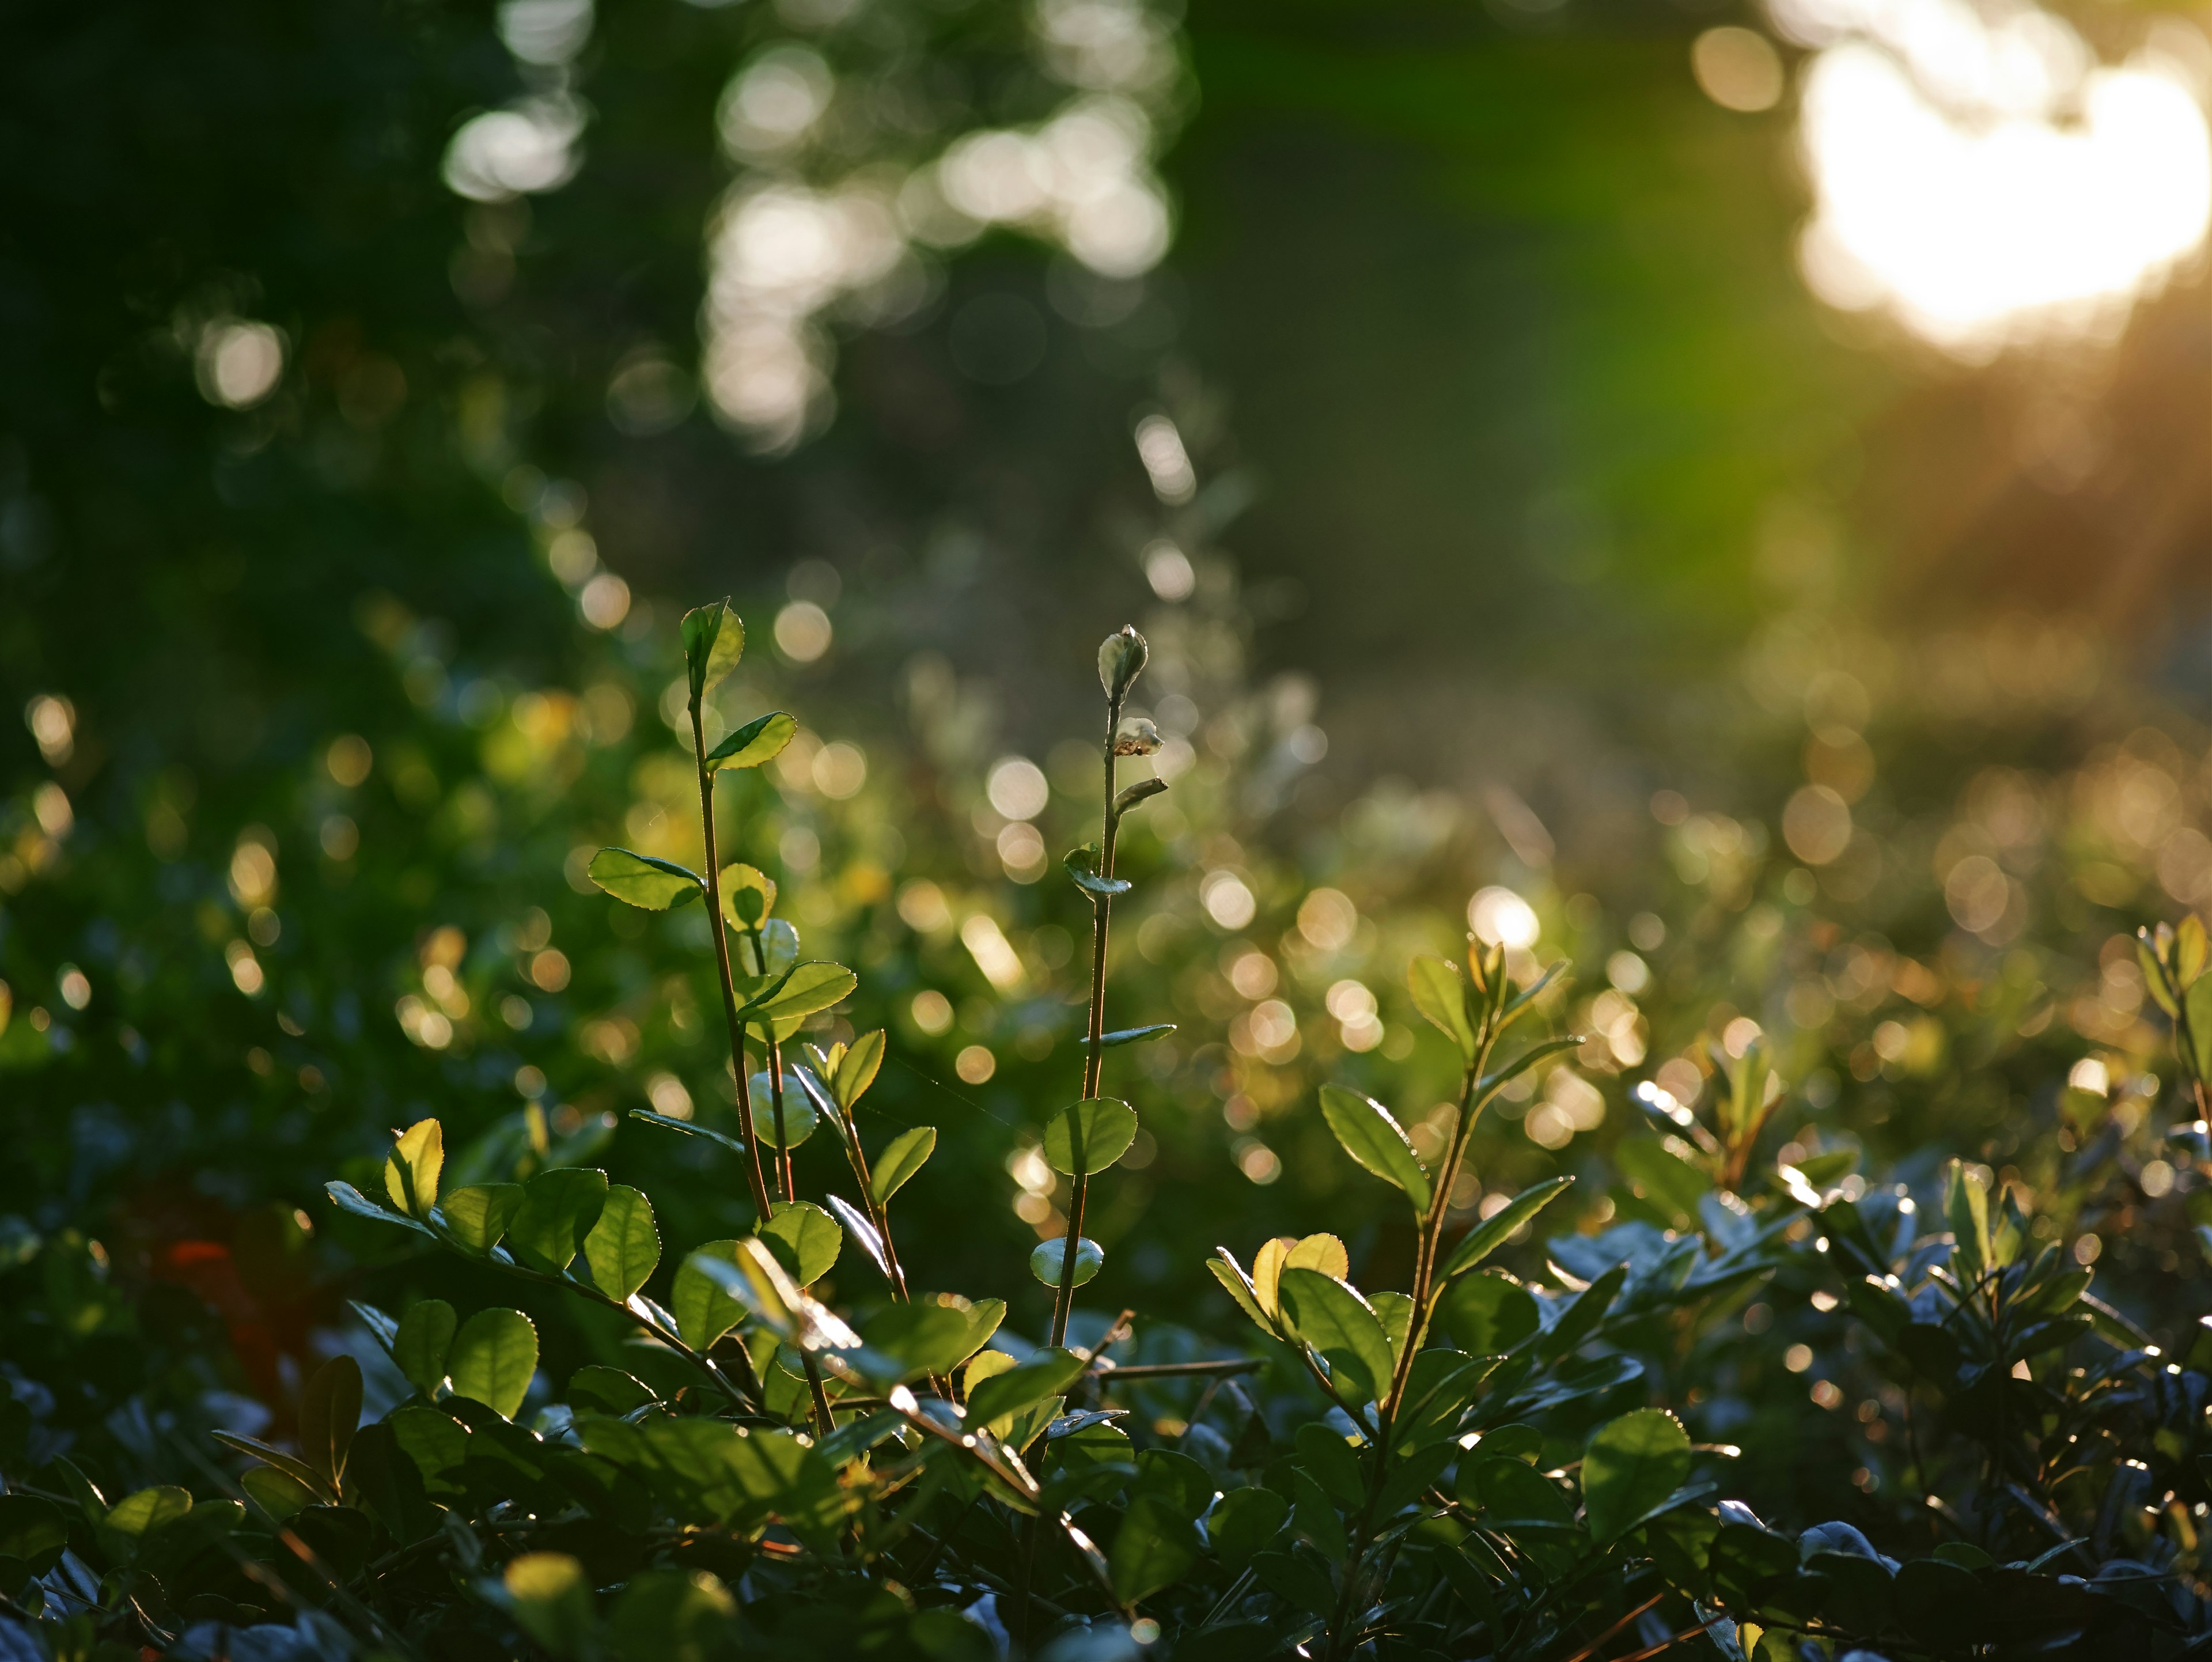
(742, 1460)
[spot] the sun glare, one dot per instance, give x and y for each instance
(1983, 177)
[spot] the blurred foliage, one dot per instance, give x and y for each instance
(322, 717)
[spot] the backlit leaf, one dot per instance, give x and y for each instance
(1632, 1463)
(702, 1310)
(1441, 995)
(494, 1357)
(903, 1156)
(1048, 1373)
(760, 739)
(624, 1244)
(1372, 1137)
(1090, 1136)
(410, 1175)
(642, 881)
(425, 1337)
(559, 1209)
(804, 1239)
(1329, 1315)
(1492, 1232)
(479, 1215)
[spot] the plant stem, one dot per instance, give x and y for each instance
(1094, 1054)
(776, 1085)
(754, 1178)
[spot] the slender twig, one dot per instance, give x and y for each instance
(1094, 1052)
(1605, 1638)
(754, 1177)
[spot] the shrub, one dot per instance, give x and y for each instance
(1479, 1464)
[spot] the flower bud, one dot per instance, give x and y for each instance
(1120, 661)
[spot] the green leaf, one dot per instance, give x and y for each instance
(1238, 1285)
(856, 1068)
(748, 895)
(1632, 1465)
(1373, 1139)
(923, 1338)
(494, 1357)
(1966, 1207)
(559, 1209)
(1048, 1262)
(410, 1175)
(1441, 995)
(134, 1517)
(1488, 1313)
(809, 988)
(673, 1615)
(703, 1311)
(1050, 1373)
(297, 1469)
(425, 1337)
(479, 1215)
(714, 642)
(804, 1239)
(904, 1155)
(1122, 1036)
(760, 739)
(642, 881)
(984, 1316)
(609, 1390)
(1082, 865)
(2197, 1003)
(1492, 1232)
(551, 1599)
(624, 1244)
(1666, 1180)
(1329, 1315)
(735, 1144)
(330, 1414)
(1090, 1136)
(799, 1117)
(347, 1198)
(763, 959)
(33, 1531)
(1245, 1521)
(277, 1493)
(1520, 1064)
(1151, 1550)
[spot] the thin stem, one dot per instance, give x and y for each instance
(1094, 1052)
(776, 1085)
(754, 1178)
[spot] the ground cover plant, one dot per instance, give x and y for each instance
(781, 1440)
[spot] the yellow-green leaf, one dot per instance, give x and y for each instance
(494, 1357)
(410, 1175)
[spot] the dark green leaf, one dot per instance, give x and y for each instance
(1520, 1064)
(1632, 1465)
(924, 1339)
(609, 1390)
(33, 1531)
(1048, 1262)
(799, 1117)
(425, 1337)
(130, 1520)
(347, 1198)
(1082, 865)
(1151, 1550)
(330, 1414)
(1488, 1313)
(1245, 1521)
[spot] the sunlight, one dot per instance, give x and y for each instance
(1984, 178)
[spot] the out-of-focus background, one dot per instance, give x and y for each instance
(1719, 494)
